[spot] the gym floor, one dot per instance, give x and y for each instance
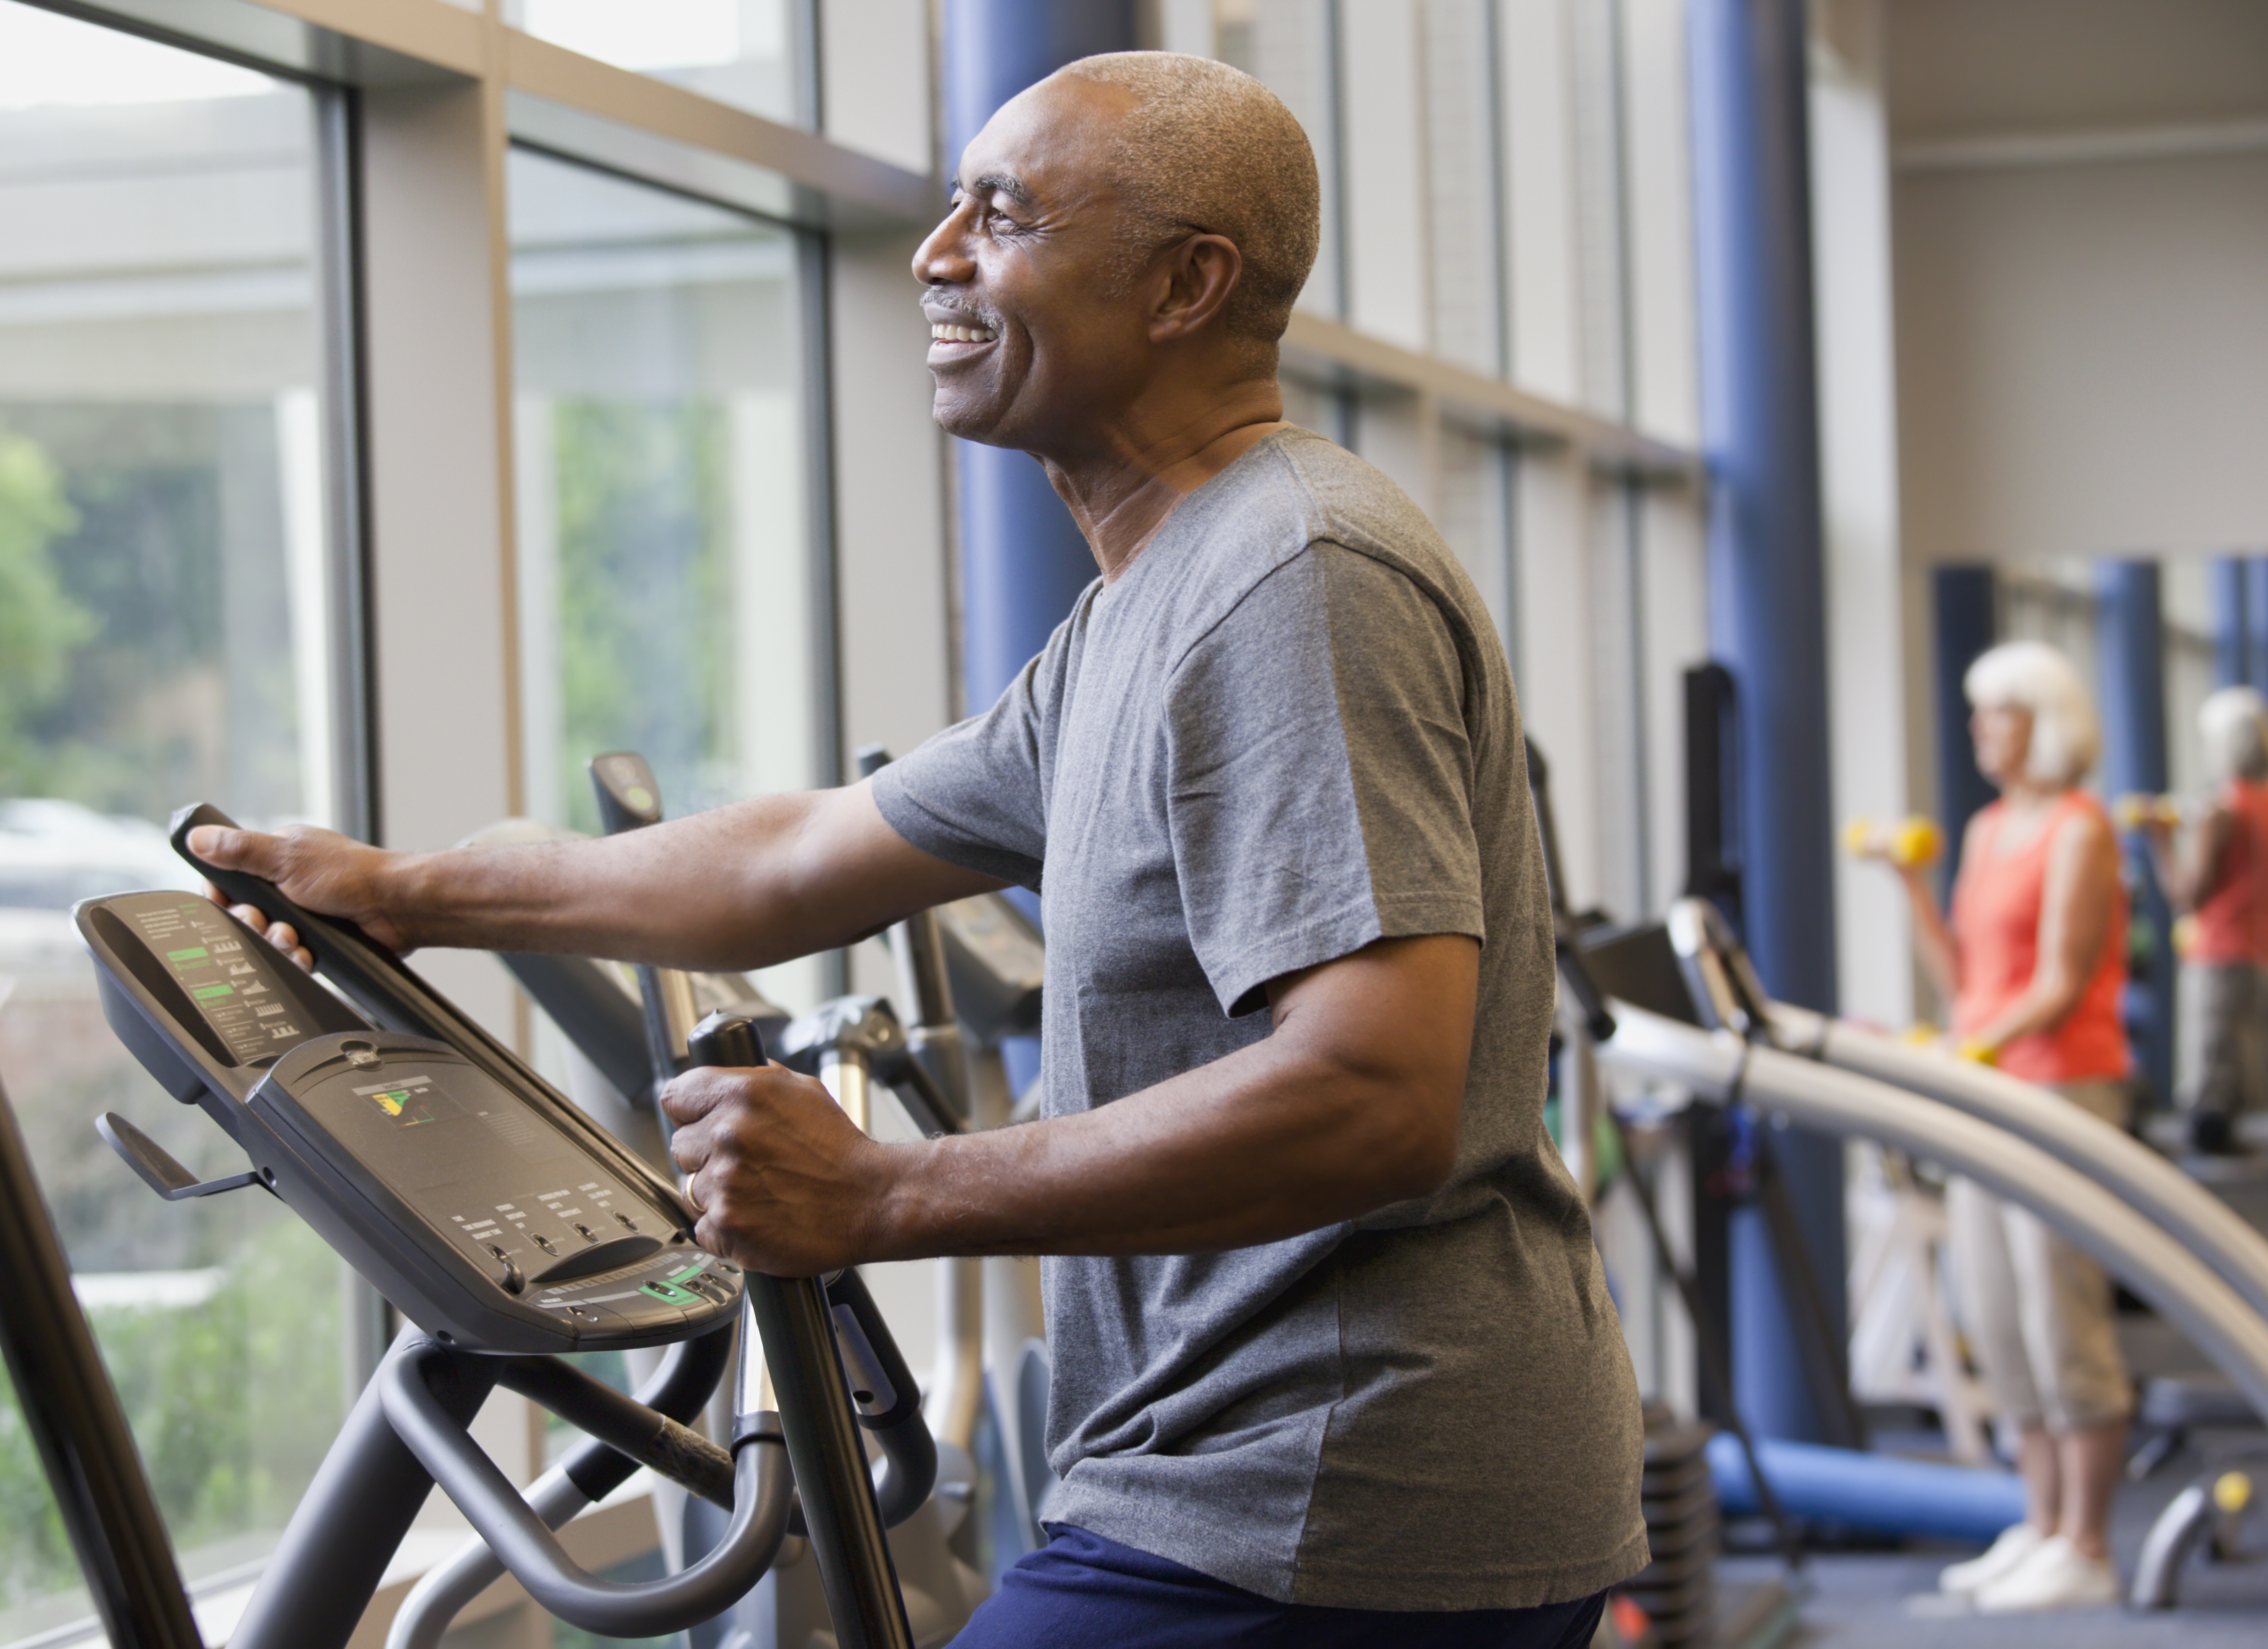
(1889, 1599)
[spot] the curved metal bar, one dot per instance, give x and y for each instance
(531, 1552)
(625, 1425)
(2202, 1223)
(445, 1591)
(589, 1472)
(2153, 1263)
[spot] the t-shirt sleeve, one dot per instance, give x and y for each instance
(973, 795)
(1321, 775)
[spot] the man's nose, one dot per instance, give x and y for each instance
(943, 258)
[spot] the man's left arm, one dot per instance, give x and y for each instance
(1352, 1102)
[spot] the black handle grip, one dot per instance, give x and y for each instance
(629, 797)
(725, 1039)
(322, 935)
(894, 1414)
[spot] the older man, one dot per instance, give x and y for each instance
(1334, 1357)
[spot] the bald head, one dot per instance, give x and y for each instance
(1203, 147)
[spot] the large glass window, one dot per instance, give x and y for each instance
(753, 54)
(1291, 45)
(1464, 148)
(165, 586)
(670, 601)
(1476, 514)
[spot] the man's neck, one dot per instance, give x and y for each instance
(1122, 489)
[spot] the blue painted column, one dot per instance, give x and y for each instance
(1023, 562)
(2232, 639)
(1767, 610)
(2256, 622)
(1965, 619)
(2130, 656)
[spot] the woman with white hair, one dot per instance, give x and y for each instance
(2033, 960)
(2224, 883)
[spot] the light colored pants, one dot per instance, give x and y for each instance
(2234, 996)
(2039, 1313)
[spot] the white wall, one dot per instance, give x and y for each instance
(2083, 355)
(1540, 171)
(2082, 212)
(1858, 456)
(1385, 195)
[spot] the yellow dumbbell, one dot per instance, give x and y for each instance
(2185, 935)
(2138, 808)
(1905, 842)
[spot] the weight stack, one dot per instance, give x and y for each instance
(1677, 1590)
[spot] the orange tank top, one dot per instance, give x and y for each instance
(1996, 929)
(2232, 923)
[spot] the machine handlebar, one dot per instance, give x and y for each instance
(393, 996)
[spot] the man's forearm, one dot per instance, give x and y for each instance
(1262, 1145)
(709, 891)
(738, 887)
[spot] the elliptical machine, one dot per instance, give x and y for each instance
(507, 1227)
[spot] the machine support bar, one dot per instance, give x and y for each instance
(352, 1519)
(829, 1462)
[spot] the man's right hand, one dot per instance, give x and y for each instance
(320, 870)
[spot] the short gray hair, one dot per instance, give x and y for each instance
(2033, 677)
(1210, 150)
(2234, 724)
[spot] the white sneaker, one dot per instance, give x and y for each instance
(2055, 1576)
(2016, 1542)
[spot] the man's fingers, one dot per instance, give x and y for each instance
(281, 935)
(232, 850)
(689, 1097)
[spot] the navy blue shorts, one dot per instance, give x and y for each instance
(1084, 1592)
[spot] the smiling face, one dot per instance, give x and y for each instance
(1035, 329)
(2002, 734)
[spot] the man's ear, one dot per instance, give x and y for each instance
(1200, 272)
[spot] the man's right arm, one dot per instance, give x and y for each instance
(739, 887)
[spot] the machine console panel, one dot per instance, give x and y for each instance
(240, 1004)
(468, 1206)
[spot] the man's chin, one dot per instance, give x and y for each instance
(980, 424)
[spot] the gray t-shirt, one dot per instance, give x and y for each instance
(1285, 731)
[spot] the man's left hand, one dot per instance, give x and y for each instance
(786, 1184)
